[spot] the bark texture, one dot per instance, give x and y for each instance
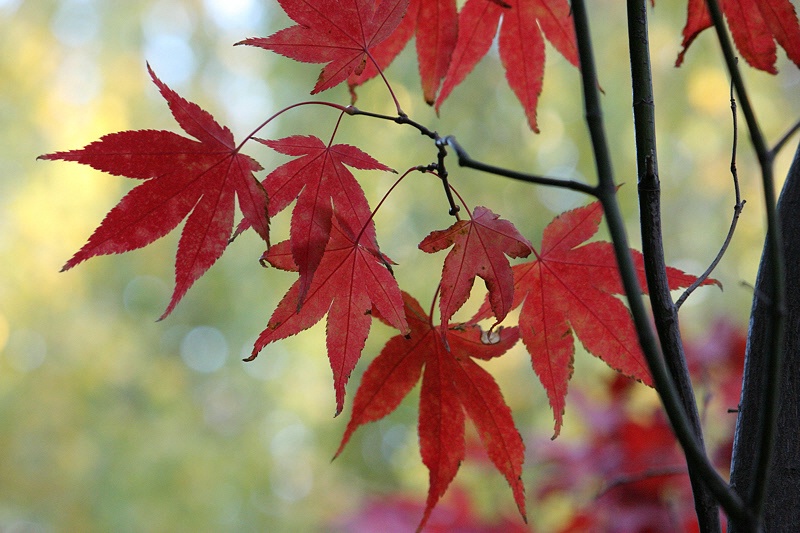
(782, 503)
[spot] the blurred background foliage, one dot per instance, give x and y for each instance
(110, 421)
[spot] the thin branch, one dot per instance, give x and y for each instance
(768, 409)
(737, 211)
(784, 139)
(399, 119)
(466, 161)
(443, 175)
(729, 500)
(620, 481)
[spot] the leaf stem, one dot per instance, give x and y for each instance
(606, 193)
(336, 128)
(385, 196)
(400, 111)
(284, 110)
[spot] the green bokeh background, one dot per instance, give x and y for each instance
(110, 421)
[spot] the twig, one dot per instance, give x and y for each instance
(466, 161)
(783, 140)
(620, 481)
(443, 174)
(399, 119)
(737, 210)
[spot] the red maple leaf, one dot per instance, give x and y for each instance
(521, 44)
(479, 249)
(755, 26)
(435, 24)
(339, 33)
(351, 280)
(452, 383)
(322, 184)
(182, 175)
(571, 288)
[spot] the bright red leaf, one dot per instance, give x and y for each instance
(571, 288)
(452, 384)
(755, 25)
(479, 249)
(351, 279)
(339, 33)
(521, 44)
(435, 24)
(182, 176)
(322, 185)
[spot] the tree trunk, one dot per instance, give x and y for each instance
(782, 502)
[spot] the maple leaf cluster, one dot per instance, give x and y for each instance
(449, 42)
(756, 25)
(569, 290)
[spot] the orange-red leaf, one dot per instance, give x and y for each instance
(339, 33)
(521, 44)
(435, 24)
(570, 287)
(452, 383)
(755, 25)
(182, 176)
(322, 185)
(350, 281)
(479, 249)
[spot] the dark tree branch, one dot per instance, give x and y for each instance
(665, 313)
(695, 456)
(754, 492)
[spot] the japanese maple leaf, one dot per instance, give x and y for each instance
(452, 384)
(480, 246)
(340, 33)
(322, 184)
(435, 24)
(755, 26)
(570, 288)
(351, 280)
(521, 44)
(201, 176)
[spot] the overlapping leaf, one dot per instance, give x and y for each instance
(452, 383)
(435, 25)
(351, 280)
(341, 33)
(181, 176)
(322, 184)
(570, 288)
(521, 44)
(479, 249)
(755, 25)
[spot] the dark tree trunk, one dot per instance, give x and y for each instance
(782, 502)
